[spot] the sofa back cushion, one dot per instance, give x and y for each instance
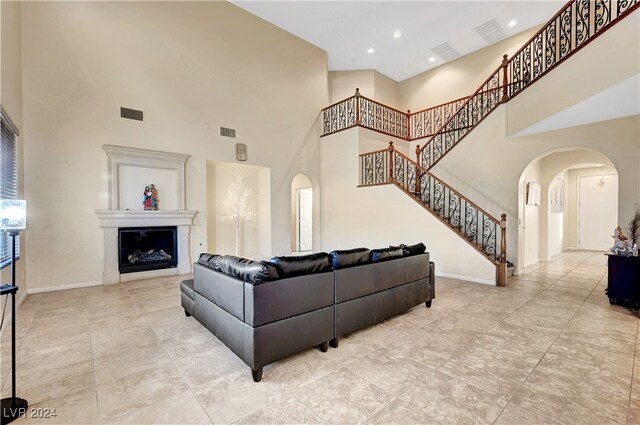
(384, 254)
(301, 265)
(349, 257)
(209, 260)
(248, 270)
(416, 249)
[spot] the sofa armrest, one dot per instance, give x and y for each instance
(223, 290)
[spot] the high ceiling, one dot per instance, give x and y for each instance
(348, 29)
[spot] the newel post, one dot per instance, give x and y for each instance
(505, 78)
(357, 96)
(418, 174)
(501, 272)
(408, 124)
(390, 149)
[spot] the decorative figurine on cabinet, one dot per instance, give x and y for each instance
(150, 198)
(620, 245)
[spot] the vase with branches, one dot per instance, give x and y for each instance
(634, 228)
(238, 206)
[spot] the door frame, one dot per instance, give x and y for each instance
(298, 191)
(578, 210)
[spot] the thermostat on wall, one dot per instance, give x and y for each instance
(241, 152)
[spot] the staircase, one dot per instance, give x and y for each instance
(444, 126)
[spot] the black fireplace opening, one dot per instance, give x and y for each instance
(147, 248)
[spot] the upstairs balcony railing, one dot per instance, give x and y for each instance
(359, 110)
(573, 27)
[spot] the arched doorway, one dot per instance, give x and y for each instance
(301, 214)
(567, 200)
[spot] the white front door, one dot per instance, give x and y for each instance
(597, 211)
(304, 211)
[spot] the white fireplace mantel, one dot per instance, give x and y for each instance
(138, 162)
(126, 218)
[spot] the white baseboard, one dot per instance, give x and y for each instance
(466, 278)
(63, 287)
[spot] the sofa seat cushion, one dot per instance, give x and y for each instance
(248, 270)
(186, 287)
(349, 257)
(416, 249)
(384, 254)
(301, 265)
(209, 260)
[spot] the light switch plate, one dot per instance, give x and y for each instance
(241, 152)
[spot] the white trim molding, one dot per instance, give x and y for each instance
(115, 217)
(120, 156)
(466, 278)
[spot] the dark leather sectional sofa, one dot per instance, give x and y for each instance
(267, 310)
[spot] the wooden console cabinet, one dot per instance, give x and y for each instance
(624, 279)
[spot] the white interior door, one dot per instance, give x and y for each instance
(304, 213)
(597, 211)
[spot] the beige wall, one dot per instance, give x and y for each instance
(385, 90)
(380, 216)
(372, 84)
(343, 84)
(11, 100)
(191, 67)
(457, 78)
(611, 58)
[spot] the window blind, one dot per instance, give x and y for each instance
(8, 183)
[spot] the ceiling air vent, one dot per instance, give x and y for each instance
(491, 31)
(228, 132)
(446, 52)
(131, 114)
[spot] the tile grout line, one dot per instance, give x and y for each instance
(169, 355)
(95, 384)
(635, 353)
(547, 351)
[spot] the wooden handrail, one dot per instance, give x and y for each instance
(439, 106)
(425, 171)
(497, 71)
(337, 103)
(382, 104)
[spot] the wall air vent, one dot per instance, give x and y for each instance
(228, 132)
(131, 114)
(446, 52)
(491, 31)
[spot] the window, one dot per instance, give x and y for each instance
(8, 179)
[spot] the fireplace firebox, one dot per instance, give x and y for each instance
(147, 248)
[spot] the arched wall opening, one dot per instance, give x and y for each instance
(247, 232)
(562, 204)
(303, 214)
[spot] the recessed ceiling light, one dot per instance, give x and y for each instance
(432, 59)
(512, 23)
(397, 34)
(371, 50)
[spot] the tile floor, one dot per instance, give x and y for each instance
(548, 349)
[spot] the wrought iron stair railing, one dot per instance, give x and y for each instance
(476, 226)
(572, 28)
